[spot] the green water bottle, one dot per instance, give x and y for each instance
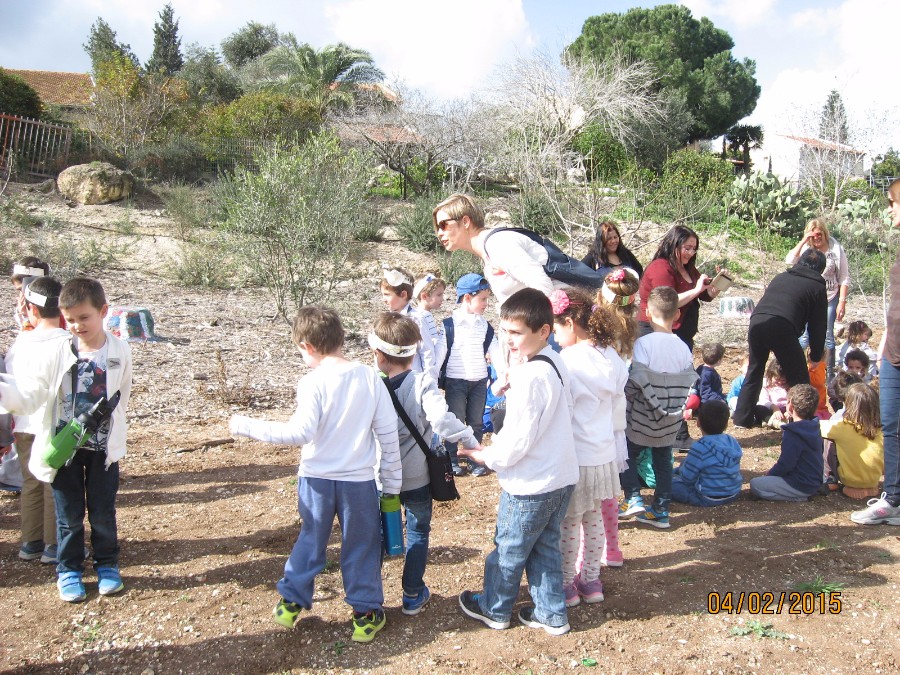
(76, 433)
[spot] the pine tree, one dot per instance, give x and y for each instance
(833, 122)
(102, 46)
(166, 56)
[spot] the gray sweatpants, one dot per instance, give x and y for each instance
(776, 489)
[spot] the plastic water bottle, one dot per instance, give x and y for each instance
(392, 525)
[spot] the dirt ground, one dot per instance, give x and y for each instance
(206, 524)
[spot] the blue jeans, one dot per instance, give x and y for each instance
(889, 386)
(86, 482)
(465, 399)
(662, 470)
(688, 494)
(418, 507)
(527, 540)
(829, 325)
(319, 500)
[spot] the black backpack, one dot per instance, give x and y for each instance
(559, 266)
(449, 331)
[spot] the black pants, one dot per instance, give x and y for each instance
(769, 335)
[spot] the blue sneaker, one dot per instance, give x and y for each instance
(631, 507)
(651, 516)
(48, 556)
(31, 550)
(109, 580)
(71, 589)
(413, 604)
(468, 603)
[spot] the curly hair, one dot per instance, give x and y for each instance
(604, 327)
(624, 314)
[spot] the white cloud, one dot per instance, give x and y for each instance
(743, 12)
(445, 48)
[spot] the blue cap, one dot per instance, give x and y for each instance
(471, 284)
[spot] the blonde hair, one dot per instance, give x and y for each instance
(862, 409)
(818, 224)
(457, 206)
(319, 326)
(627, 333)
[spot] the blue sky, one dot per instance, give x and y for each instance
(802, 49)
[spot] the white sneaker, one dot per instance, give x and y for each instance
(877, 512)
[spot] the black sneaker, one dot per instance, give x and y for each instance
(468, 602)
(526, 617)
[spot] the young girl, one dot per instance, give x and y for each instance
(428, 296)
(598, 376)
(858, 336)
(620, 294)
(772, 402)
(858, 443)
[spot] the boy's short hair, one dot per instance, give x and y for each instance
(319, 326)
(458, 206)
(842, 381)
(404, 282)
(50, 289)
(664, 302)
(712, 353)
(82, 289)
(399, 330)
(26, 262)
(428, 284)
(805, 400)
(857, 355)
(713, 417)
(529, 306)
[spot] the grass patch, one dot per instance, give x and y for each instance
(819, 586)
(760, 630)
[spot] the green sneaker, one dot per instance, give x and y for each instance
(366, 625)
(286, 613)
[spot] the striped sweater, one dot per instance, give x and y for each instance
(656, 404)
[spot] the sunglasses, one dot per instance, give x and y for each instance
(443, 224)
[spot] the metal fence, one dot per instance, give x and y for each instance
(33, 147)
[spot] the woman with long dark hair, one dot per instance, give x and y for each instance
(609, 251)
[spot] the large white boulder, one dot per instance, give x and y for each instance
(95, 183)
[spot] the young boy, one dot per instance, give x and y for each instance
(661, 376)
(737, 384)
(710, 386)
(856, 361)
(710, 475)
(537, 468)
(397, 295)
(428, 294)
(67, 375)
(25, 269)
(394, 339)
(38, 512)
(797, 475)
(342, 408)
(464, 371)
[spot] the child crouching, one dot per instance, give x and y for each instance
(342, 407)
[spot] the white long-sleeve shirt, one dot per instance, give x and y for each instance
(342, 408)
(598, 377)
(435, 330)
(534, 453)
(513, 262)
(467, 352)
(424, 360)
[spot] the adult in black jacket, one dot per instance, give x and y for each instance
(792, 300)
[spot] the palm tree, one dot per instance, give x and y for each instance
(328, 77)
(741, 139)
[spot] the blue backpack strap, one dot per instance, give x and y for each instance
(488, 336)
(448, 333)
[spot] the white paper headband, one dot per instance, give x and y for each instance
(38, 299)
(23, 271)
(421, 284)
(396, 277)
(405, 351)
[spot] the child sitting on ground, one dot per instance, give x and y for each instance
(67, 375)
(598, 376)
(394, 339)
(837, 393)
(428, 294)
(342, 408)
(797, 475)
(397, 294)
(537, 468)
(856, 361)
(737, 384)
(661, 375)
(772, 403)
(710, 475)
(858, 459)
(818, 373)
(464, 371)
(858, 336)
(709, 386)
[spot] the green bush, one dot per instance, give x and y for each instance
(692, 187)
(179, 159)
(190, 208)
(262, 115)
(415, 227)
(534, 210)
(369, 227)
(201, 265)
(454, 265)
(17, 97)
(764, 200)
(605, 159)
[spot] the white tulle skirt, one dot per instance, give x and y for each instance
(595, 483)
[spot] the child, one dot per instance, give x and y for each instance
(817, 376)
(26, 268)
(537, 468)
(737, 384)
(837, 391)
(620, 293)
(342, 408)
(661, 376)
(856, 361)
(598, 376)
(797, 475)
(397, 293)
(859, 446)
(100, 366)
(710, 386)
(394, 339)
(464, 372)
(429, 296)
(710, 475)
(772, 403)
(38, 512)
(858, 336)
